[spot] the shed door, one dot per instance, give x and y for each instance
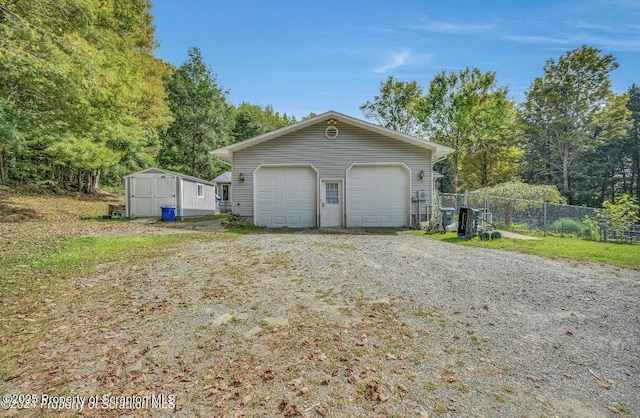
(164, 192)
(149, 193)
(378, 196)
(285, 197)
(141, 196)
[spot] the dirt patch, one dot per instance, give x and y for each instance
(513, 235)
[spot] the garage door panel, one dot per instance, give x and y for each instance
(286, 196)
(377, 196)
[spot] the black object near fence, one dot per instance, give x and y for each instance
(532, 216)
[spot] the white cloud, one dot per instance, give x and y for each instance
(452, 27)
(614, 43)
(396, 60)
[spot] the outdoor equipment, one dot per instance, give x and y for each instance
(435, 226)
(467, 222)
(469, 225)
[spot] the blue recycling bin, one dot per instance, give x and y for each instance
(168, 213)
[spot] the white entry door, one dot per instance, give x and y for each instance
(331, 203)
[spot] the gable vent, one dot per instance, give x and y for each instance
(331, 132)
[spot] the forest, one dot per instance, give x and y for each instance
(84, 101)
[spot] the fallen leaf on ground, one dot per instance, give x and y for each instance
(295, 383)
(322, 410)
(268, 374)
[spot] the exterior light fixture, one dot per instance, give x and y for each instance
(241, 177)
(421, 175)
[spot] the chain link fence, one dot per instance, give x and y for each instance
(536, 216)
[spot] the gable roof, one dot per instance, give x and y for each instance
(156, 170)
(438, 151)
(223, 178)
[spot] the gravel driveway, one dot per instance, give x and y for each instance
(526, 336)
(310, 324)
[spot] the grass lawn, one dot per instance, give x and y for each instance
(621, 255)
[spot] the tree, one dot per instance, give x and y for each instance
(493, 155)
(463, 109)
(600, 172)
(11, 140)
(632, 145)
(74, 74)
(202, 119)
(566, 113)
(394, 108)
(253, 120)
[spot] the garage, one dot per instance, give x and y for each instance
(286, 196)
(378, 196)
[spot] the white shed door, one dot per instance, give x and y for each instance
(150, 192)
(142, 196)
(378, 196)
(286, 197)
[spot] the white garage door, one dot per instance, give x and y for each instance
(286, 197)
(377, 196)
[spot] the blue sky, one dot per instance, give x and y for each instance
(302, 56)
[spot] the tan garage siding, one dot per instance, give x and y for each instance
(330, 157)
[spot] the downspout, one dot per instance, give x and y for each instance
(417, 226)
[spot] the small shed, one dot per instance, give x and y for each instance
(147, 191)
(223, 191)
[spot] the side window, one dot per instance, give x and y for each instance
(225, 192)
(200, 190)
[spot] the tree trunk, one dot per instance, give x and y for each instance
(4, 170)
(454, 173)
(80, 186)
(485, 172)
(91, 181)
(565, 174)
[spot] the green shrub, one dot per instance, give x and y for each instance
(621, 216)
(234, 220)
(567, 226)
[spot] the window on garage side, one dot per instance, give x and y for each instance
(331, 191)
(200, 190)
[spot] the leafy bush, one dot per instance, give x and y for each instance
(591, 229)
(527, 192)
(619, 218)
(567, 226)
